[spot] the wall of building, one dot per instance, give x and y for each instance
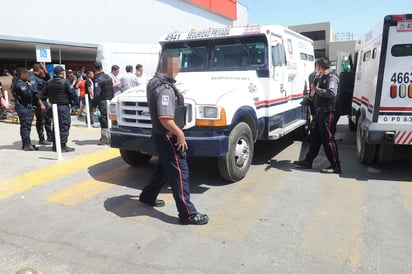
(97, 21)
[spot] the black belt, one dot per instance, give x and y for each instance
(326, 109)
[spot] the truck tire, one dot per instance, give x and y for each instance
(134, 158)
(384, 153)
(365, 152)
(234, 165)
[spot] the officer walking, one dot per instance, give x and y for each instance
(25, 97)
(59, 92)
(167, 112)
(103, 92)
(43, 118)
(324, 99)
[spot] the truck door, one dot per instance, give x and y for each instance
(279, 75)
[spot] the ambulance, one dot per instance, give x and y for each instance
(382, 96)
(240, 84)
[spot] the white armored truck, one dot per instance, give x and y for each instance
(382, 96)
(240, 84)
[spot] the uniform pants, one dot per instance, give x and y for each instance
(323, 134)
(171, 167)
(102, 105)
(43, 121)
(25, 113)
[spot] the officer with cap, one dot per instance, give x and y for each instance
(167, 113)
(25, 97)
(59, 92)
(103, 92)
(324, 99)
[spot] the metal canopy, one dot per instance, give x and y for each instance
(12, 48)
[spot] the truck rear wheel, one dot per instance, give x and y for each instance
(134, 158)
(365, 152)
(234, 165)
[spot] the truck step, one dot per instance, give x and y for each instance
(279, 132)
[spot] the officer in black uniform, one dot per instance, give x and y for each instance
(324, 99)
(167, 113)
(59, 92)
(25, 96)
(43, 118)
(103, 92)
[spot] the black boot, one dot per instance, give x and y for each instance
(42, 141)
(27, 146)
(65, 148)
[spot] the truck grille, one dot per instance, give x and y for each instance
(136, 114)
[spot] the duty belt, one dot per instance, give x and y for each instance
(325, 109)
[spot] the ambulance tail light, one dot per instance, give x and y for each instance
(402, 91)
(394, 91)
(410, 91)
(211, 116)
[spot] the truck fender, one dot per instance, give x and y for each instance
(248, 115)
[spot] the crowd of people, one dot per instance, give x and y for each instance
(34, 91)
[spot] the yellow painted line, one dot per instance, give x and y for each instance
(34, 178)
(239, 211)
(333, 233)
(87, 189)
(406, 190)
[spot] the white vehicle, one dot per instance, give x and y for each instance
(123, 54)
(382, 98)
(240, 84)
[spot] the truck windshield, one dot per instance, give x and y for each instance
(233, 53)
(191, 58)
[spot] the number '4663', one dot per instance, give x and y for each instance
(401, 77)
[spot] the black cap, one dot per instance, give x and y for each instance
(98, 65)
(58, 70)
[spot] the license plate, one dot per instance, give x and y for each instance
(404, 26)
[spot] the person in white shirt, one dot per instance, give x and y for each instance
(116, 82)
(142, 78)
(129, 80)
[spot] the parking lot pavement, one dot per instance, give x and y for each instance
(82, 138)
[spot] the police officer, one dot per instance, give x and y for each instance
(59, 92)
(103, 92)
(43, 118)
(167, 112)
(324, 98)
(25, 96)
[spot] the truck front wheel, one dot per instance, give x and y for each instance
(234, 165)
(134, 158)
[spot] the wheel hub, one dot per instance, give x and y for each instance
(241, 153)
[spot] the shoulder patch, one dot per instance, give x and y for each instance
(165, 100)
(167, 85)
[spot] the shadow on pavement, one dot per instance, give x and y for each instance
(126, 206)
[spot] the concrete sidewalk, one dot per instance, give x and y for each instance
(16, 161)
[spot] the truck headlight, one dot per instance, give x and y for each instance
(210, 112)
(112, 109)
(210, 116)
(112, 112)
